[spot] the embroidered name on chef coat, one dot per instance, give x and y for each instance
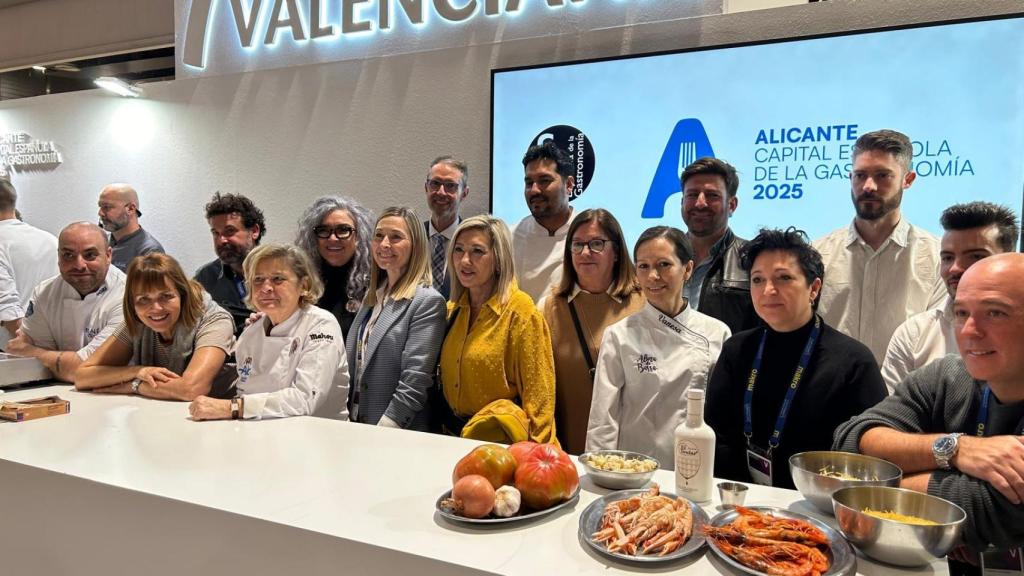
(646, 364)
(321, 336)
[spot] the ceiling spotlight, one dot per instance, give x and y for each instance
(119, 87)
(39, 68)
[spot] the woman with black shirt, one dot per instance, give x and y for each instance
(335, 233)
(827, 376)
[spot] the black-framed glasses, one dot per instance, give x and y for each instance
(449, 187)
(341, 231)
(597, 245)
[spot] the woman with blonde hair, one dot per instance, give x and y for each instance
(498, 347)
(291, 358)
(173, 341)
(394, 340)
(598, 288)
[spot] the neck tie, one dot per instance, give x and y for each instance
(437, 263)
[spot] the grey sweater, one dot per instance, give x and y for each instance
(943, 397)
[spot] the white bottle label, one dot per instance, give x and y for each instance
(688, 464)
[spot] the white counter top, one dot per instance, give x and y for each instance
(301, 493)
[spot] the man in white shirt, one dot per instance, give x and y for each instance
(973, 231)
(71, 314)
(538, 241)
(880, 270)
(26, 259)
(446, 188)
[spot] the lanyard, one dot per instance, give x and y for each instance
(979, 426)
(787, 403)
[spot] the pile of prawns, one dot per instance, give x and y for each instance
(645, 524)
(773, 545)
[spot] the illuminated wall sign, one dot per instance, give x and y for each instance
(228, 36)
(20, 152)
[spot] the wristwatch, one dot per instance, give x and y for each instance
(135, 385)
(945, 448)
(234, 408)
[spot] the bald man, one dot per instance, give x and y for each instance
(955, 426)
(71, 314)
(119, 214)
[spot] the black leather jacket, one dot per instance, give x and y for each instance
(725, 293)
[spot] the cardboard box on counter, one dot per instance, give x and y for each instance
(33, 409)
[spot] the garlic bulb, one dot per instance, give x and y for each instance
(506, 502)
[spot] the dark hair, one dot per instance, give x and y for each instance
(550, 151)
(455, 163)
(8, 196)
(684, 250)
(790, 240)
(236, 203)
(982, 215)
(715, 167)
(624, 276)
(888, 141)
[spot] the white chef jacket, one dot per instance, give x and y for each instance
(292, 371)
(58, 318)
(647, 362)
(923, 338)
(869, 293)
(28, 256)
(538, 255)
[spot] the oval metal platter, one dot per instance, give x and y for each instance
(590, 522)
(841, 557)
(492, 520)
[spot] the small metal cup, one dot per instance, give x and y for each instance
(732, 494)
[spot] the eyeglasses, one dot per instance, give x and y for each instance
(596, 246)
(449, 187)
(341, 231)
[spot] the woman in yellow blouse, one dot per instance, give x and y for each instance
(498, 346)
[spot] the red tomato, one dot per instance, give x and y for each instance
(520, 450)
(546, 478)
(491, 461)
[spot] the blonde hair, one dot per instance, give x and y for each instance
(417, 271)
(501, 247)
(154, 272)
(310, 286)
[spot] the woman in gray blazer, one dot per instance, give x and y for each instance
(396, 335)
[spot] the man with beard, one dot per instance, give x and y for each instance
(881, 269)
(973, 231)
(446, 188)
(719, 287)
(237, 226)
(119, 215)
(71, 314)
(25, 261)
(538, 241)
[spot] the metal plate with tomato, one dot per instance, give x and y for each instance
(590, 522)
(524, 514)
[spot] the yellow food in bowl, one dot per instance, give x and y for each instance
(890, 515)
(616, 463)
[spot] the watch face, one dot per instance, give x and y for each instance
(943, 445)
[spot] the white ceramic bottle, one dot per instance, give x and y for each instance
(695, 451)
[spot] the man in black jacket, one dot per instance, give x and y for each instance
(718, 287)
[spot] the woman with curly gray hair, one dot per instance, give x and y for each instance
(335, 232)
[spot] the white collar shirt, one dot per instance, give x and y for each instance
(868, 293)
(923, 338)
(448, 232)
(293, 370)
(647, 362)
(28, 256)
(59, 318)
(538, 255)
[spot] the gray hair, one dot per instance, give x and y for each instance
(359, 278)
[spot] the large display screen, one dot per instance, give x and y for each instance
(786, 114)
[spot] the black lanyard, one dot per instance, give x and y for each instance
(787, 403)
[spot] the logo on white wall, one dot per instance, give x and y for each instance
(20, 152)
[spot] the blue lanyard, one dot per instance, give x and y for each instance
(787, 403)
(979, 426)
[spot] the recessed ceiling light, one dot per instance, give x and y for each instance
(118, 86)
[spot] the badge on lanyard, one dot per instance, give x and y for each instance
(759, 464)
